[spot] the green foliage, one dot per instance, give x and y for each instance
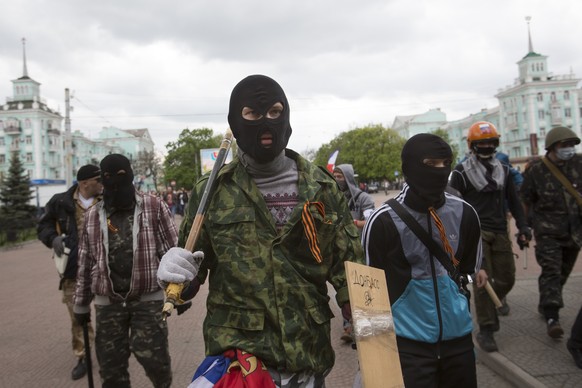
(445, 136)
(374, 152)
(182, 164)
(16, 213)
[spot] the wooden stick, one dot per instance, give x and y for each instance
(493, 295)
(173, 290)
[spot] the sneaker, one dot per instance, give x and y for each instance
(554, 328)
(576, 354)
(504, 309)
(80, 370)
(486, 341)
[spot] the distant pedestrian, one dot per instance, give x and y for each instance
(485, 183)
(554, 210)
(361, 206)
(122, 243)
(59, 229)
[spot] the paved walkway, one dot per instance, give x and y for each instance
(35, 345)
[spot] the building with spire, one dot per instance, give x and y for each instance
(536, 102)
(33, 130)
(29, 127)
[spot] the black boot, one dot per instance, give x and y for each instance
(554, 328)
(79, 370)
(486, 341)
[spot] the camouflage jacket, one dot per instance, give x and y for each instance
(267, 293)
(552, 210)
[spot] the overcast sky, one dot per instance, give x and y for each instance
(170, 65)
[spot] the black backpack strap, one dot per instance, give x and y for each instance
(435, 249)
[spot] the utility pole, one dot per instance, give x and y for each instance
(68, 147)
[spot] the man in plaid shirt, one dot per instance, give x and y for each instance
(121, 244)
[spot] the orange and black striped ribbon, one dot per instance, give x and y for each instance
(443, 235)
(309, 228)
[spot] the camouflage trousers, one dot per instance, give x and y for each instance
(135, 327)
(500, 266)
(68, 286)
(556, 258)
(298, 380)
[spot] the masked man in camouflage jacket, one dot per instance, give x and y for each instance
(556, 219)
(277, 230)
(123, 240)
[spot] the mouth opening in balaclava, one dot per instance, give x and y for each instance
(259, 93)
(427, 182)
(118, 189)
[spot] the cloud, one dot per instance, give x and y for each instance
(343, 63)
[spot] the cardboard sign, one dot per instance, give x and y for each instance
(373, 327)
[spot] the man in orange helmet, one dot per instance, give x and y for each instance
(485, 183)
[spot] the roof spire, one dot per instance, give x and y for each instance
(530, 46)
(24, 69)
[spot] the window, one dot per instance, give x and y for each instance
(553, 97)
(29, 157)
(542, 131)
(1, 125)
(28, 139)
(540, 97)
(2, 158)
(27, 123)
(566, 95)
(567, 112)
(2, 141)
(541, 114)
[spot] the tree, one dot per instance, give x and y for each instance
(374, 151)
(16, 212)
(148, 165)
(445, 136)
(182, 164)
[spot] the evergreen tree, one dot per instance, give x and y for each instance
(16, 213)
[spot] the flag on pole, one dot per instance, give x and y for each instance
(331, 161)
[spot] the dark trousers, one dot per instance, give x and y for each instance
(500, 267)
(576, 334)
(556, 258)
(430, 372)
(135, 327)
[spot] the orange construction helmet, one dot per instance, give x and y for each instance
(481, 131)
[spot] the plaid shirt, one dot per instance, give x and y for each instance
(154, 233)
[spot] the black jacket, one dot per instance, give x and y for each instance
(60, 209)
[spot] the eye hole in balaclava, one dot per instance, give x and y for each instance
(259, 93)
(117, 179)
(427, 182)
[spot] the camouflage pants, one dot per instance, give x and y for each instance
(137, 327)
(500, 266)
(556, 258)
(298, 380)
(68, 286)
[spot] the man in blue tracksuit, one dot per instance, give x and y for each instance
(431, 316)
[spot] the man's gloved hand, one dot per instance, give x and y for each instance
(347, 311)
(179, 265)
(83, 318)
(59, 245)
(523, 237)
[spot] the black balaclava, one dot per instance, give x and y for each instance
(427, 183)
(259, 93)
(118, 189)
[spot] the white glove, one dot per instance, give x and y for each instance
(179, 265)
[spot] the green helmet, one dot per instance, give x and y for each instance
(558, 134)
